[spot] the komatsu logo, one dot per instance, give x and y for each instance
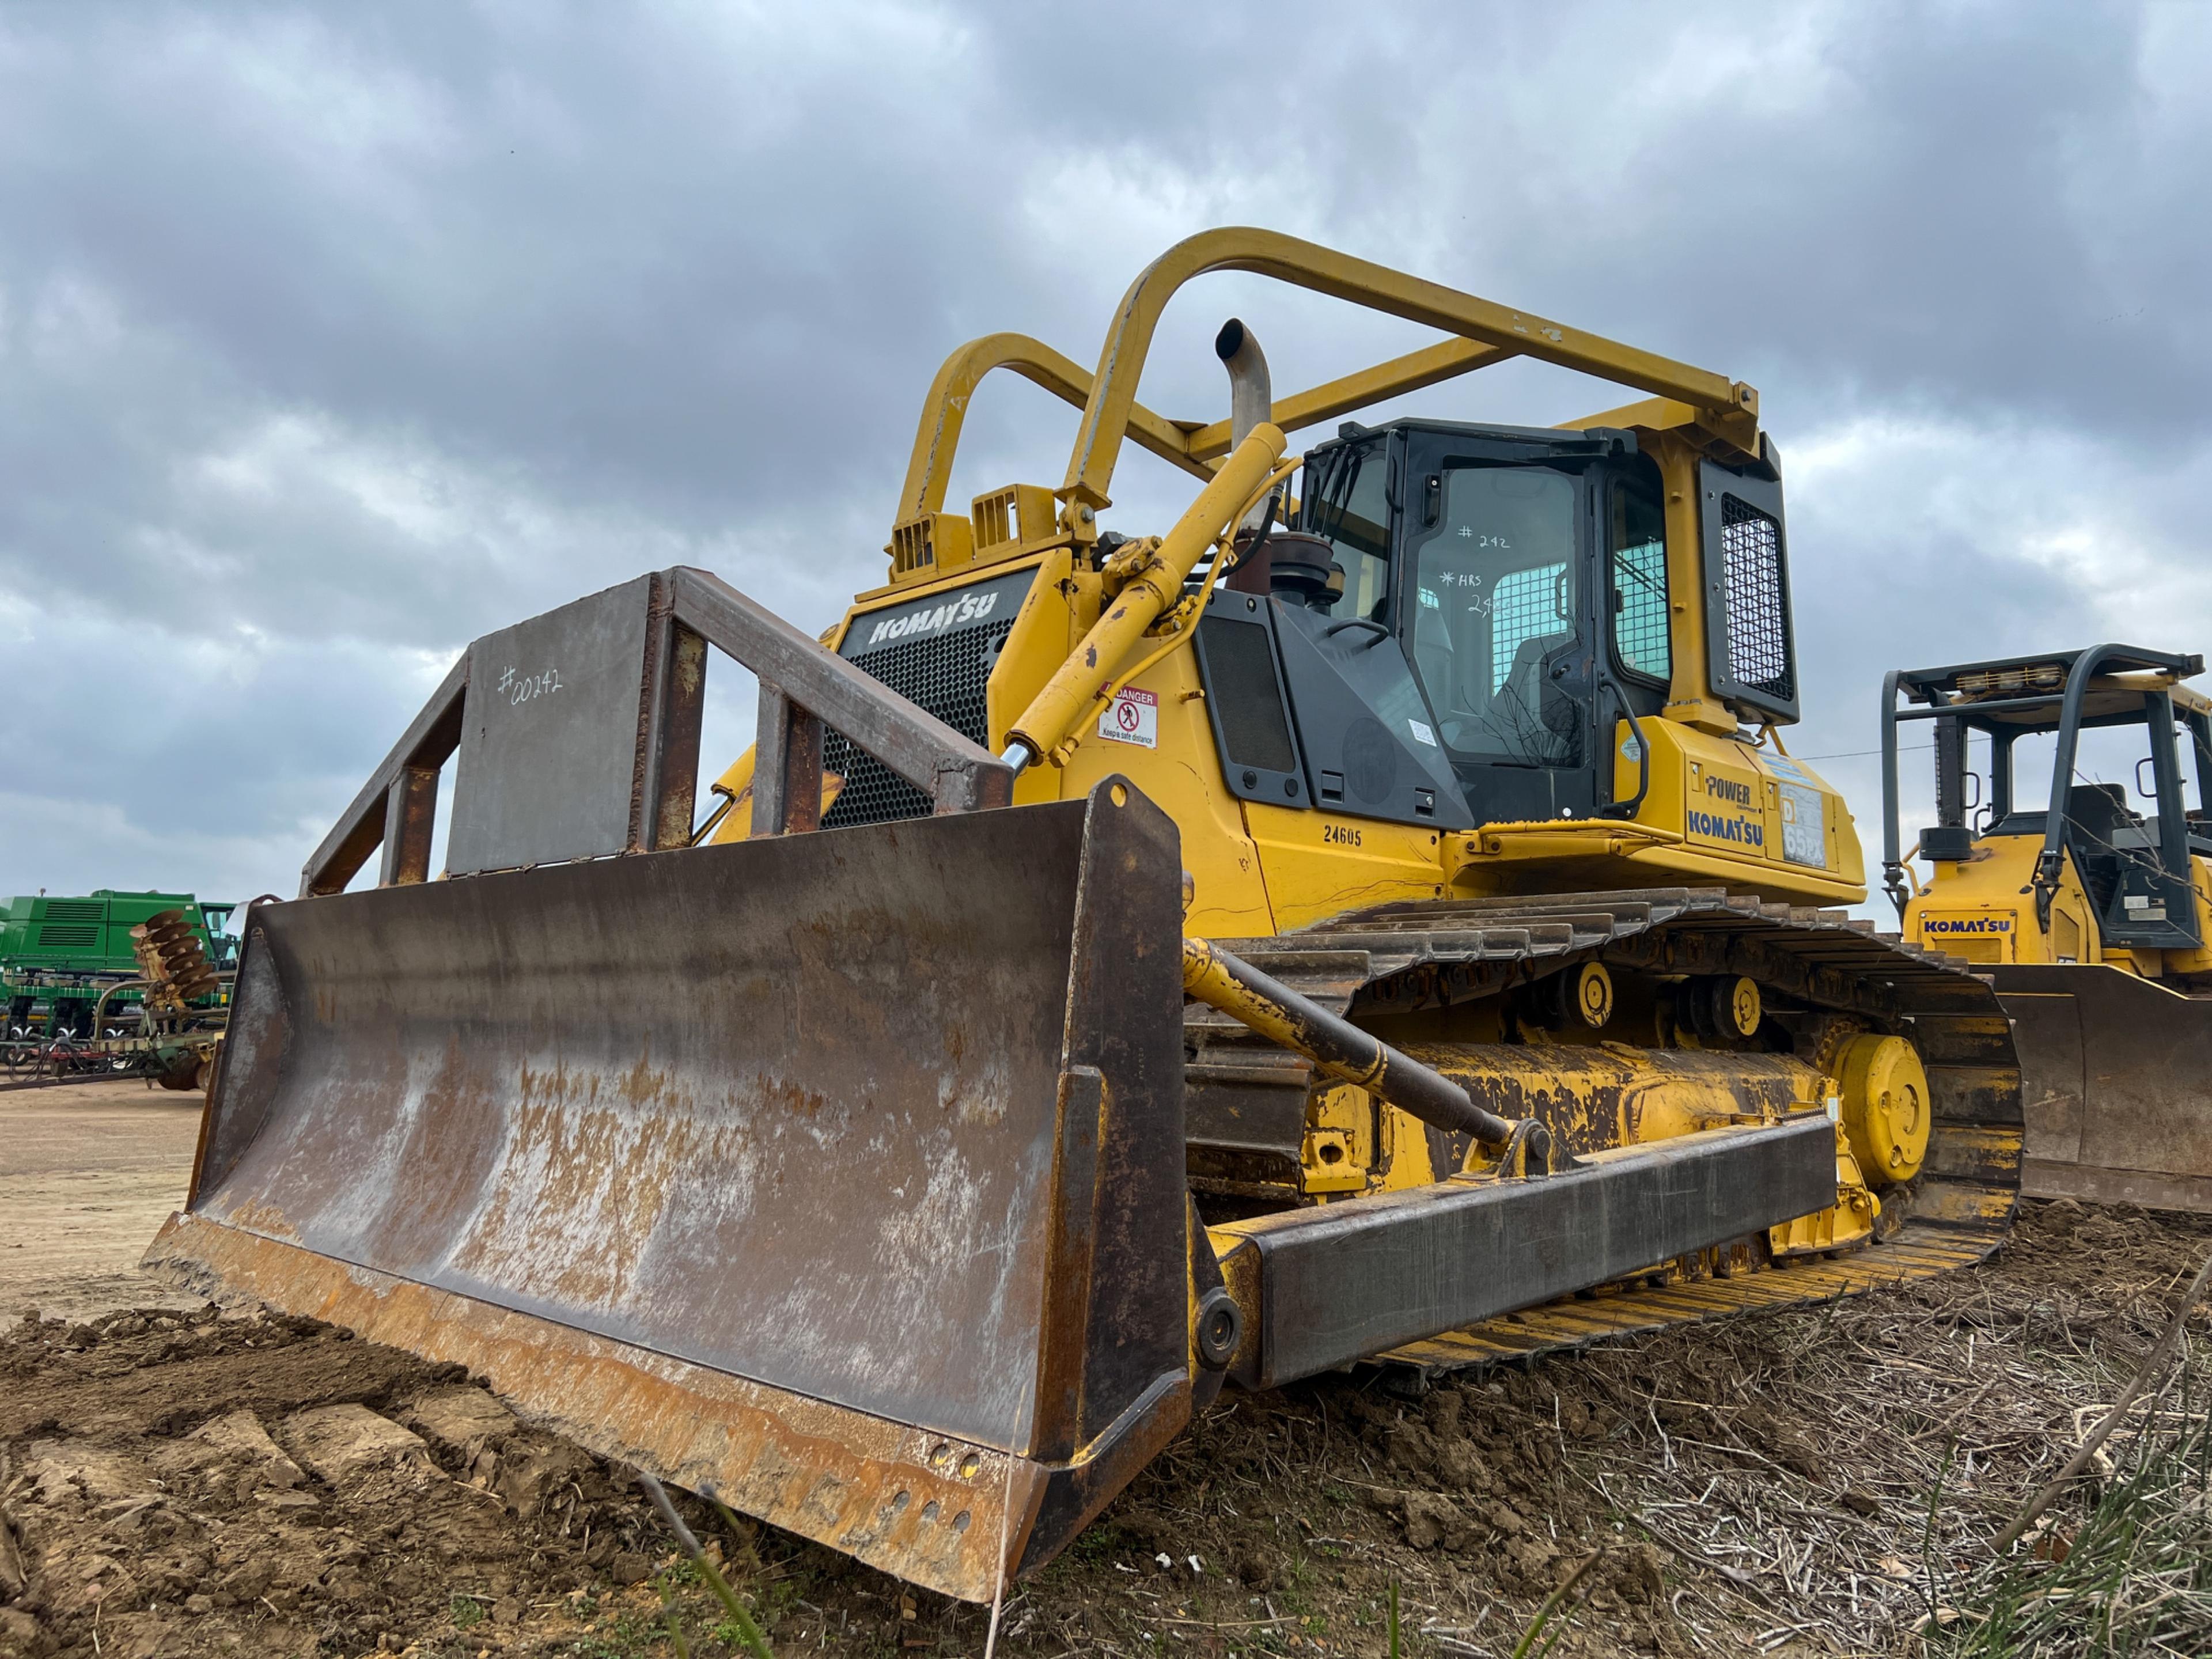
(1965, 924)
(1743, 832)
(1732, 826)
(953, 613)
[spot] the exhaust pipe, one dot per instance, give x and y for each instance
(1251, 396)
(1251, 402)
(1250, 399)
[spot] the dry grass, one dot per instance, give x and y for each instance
(1823, 1481)
(2133, 1575)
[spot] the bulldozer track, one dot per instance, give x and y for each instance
(1429, 954)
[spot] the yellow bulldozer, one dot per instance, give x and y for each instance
(1375, 921)
(2090, 911)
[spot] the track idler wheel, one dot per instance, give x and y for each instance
(1885, 1110)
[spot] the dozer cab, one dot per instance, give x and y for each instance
(1334, 930)
(2090, 910)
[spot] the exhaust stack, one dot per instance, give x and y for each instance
(1251, 395)
(1251, 400)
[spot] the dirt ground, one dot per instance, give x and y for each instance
(1811, 1481)
(88, 1172)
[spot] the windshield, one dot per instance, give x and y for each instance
(1495, 598)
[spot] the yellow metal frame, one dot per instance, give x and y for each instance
(1723, 411)
(1694, 412)
(1486, 333)
(945, 412)
(1197, 448)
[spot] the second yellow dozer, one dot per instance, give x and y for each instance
(2092, 918)
(1379, 926)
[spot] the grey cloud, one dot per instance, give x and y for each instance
(330, 338)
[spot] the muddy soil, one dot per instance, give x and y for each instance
(196, 1485)
(1798, 1482)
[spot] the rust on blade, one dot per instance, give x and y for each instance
(926, 1506)
(838, 1175)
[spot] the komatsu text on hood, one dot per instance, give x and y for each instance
(980, 604)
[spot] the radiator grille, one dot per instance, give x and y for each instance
(68, 936)
(90, 910)
(945, 674)
(1758, 602)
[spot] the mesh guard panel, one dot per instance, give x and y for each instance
(1758, 602)
(1523, 607)
(945, 674)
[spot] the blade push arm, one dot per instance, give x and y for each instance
(1340, 1048)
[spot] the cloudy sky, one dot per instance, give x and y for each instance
(331, 337)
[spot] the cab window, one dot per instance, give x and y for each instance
(1636, 547)
(1346, 502)
(1495, 587)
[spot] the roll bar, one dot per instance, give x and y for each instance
(1378, 288)
(2158, 714)
(929, 467)
(2173, 822)
(1486, 333)
(1892, 859)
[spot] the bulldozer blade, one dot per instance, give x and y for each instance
(838, 1176)
(2116, 1077)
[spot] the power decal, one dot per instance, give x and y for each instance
(1727, 810)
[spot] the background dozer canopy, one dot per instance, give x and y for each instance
(2090, 904)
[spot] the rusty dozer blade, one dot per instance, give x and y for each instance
(838, 1176)
(2116, 1075)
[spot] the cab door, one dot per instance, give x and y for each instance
(1497, 593)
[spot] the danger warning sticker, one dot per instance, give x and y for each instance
(1133, 716)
